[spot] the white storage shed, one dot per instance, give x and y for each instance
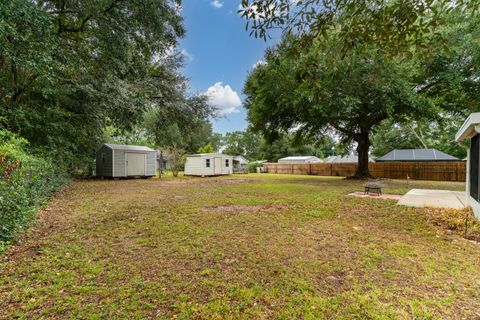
(122, 161)
(208, 164)
(471, 130)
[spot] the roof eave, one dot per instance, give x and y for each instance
(470, 127)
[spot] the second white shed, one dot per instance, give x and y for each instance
(208, 164)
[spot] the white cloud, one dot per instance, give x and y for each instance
(223, 97)
(217, 4)
(259, 63)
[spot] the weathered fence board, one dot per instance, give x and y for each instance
(439, 171)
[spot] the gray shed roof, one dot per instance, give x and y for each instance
(345, 159)
(240, 159)
(417, 155)
(300, 158)
(127, 147)
(215, 154)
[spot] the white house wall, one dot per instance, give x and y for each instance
(195, 166)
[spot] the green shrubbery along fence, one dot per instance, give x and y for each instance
(26, 181)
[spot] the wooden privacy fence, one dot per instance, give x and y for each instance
(439, 171)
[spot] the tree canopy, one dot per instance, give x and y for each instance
(71, 69)
(310, 85)
(253, 146)
(450, 79)
(309, 90)
(394, 25)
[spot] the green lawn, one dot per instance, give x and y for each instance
(250, 246)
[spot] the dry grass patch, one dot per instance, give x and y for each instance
(459, 222)
(245, 208)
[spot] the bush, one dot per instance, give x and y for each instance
(252, 166)
(26, 181)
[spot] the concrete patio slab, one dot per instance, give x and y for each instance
(433, 198)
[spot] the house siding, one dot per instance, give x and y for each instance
(151, 169)
(119, 163)
(195, 165)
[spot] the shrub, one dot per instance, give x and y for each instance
(252, 166)
(26, 181)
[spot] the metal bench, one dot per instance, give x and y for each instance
(373, 187)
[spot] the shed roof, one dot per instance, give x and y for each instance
(469, 127)
(417, 155)
(240, 159)
(344, 159)
(209, 154)
(127, 147)
(259, 161)
(300, 158)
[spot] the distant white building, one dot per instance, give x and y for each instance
(300, 159)
(240, 164)
(344, 159)
(208, 164)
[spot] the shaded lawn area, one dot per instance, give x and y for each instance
(250, 246)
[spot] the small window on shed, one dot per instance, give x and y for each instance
(207, 163)
(227, 163)
(103, 157)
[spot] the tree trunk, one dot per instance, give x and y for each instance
(363, 141)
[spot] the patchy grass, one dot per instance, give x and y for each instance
(250, 246)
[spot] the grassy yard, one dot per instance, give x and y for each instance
(252, 246)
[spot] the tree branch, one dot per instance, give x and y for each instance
(418, 136)
(85, 20)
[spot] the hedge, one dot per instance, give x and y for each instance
(26, 182)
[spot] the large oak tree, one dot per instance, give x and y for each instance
(306, 87)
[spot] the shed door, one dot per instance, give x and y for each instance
(218, 166)
(135, 164)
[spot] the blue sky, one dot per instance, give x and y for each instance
(219, 54)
